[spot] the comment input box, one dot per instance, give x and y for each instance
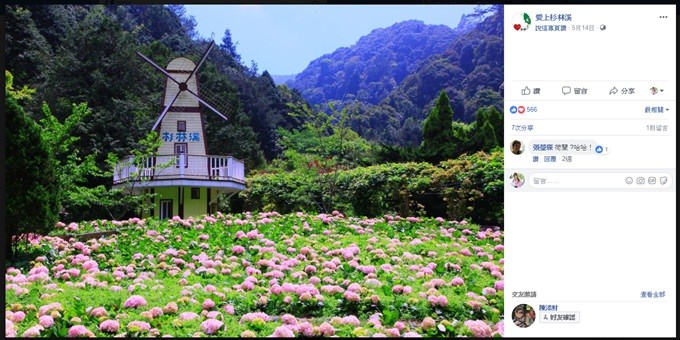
(598, 180)
(594, 127)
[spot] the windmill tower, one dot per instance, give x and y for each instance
(186, 178)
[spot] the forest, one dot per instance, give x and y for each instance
(408, 120)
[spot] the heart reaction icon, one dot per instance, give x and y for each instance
(517, 27)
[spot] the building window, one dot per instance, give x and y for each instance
(195, 193)
(181, 126)
(166, 209)
(181, 150)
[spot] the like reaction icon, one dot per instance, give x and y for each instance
(526, 91)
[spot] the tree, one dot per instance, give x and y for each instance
(488, 128)
(26, 50)
(229, 46)
(71, 170)
(438, 136)
(32, 183)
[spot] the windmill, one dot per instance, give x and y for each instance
(182, 132)
(182, 87)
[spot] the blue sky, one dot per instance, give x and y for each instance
(284, 39)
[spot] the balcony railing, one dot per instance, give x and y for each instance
(216, 168)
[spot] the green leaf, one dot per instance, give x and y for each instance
(390, 316)
(387, 289)
(527, 19)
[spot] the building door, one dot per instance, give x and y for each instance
(166, 209)
(181, 150)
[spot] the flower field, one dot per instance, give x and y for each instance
(258, 275)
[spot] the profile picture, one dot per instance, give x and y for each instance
(517, 179)
(523, 315)
(517, 147)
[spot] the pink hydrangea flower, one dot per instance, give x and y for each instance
(428, 323)
(500, 328)
(211, 326)
(78, 331)
(479, 328)
(489, 291)
(283, 332)
(139, 326)
(305, 329)
(352, 296)
(46, 321)
(109, 326)
(392, 332)
(170, 308)
(188, 316)
(413, 334)
(208, 304)
(251, 316)
(288, 319)
(156, 312)
(98, 312)
(17, 317)
(135, 301)
(10, 331)
(327, 329)
(351, 320)
(33, 332)
(457, 281)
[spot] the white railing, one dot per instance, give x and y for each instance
(218, 168)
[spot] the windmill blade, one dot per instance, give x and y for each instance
(206, 104)
(165, 111)
(205, 55)
(158, 67)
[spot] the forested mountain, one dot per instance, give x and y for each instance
(370, 69)
(282, 79)
(470, 71)
(391, 77)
